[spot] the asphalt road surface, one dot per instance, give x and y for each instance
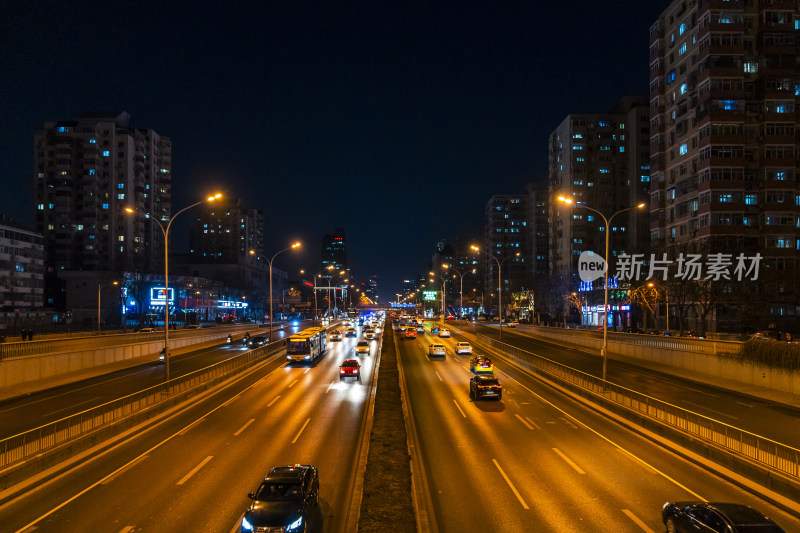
(193, 471)
(539, 461)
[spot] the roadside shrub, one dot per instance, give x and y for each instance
(772, 353)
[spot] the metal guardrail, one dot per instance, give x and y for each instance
(703, 346)
(769, 453)
(35, 441)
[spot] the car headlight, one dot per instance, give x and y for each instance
(289, 357)
(295, 525)
(246, 526)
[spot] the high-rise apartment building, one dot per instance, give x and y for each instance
(21, 268)
(505, 236)
(86, 172)
(227, 231)
(538, 204)
(602, 161)
(724, 88)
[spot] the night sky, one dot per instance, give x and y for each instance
(394, 120)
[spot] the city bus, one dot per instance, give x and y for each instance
(307, 345)
(352, 312)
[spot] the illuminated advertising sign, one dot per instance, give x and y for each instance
(158, 295)
(228, 304)
(430, 295)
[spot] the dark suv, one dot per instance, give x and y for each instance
(284, 500)
(484, 386)
(257, 340)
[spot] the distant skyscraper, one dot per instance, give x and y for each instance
(86, 172)
(724, 86)
(602, 160)
(227, 231)
(334, 251)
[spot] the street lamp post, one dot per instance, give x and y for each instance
(165, 231)
(99, 288)
(295, 245)
(461, 296)
(570, 201)
(499, 284)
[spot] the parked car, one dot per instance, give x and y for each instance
(685, 517)
(350, 369)
(463, 348)
(444, 333)
(284, 501)
(632, 330)
(437, 349)
(693, 334)
(362, 347)
(257, 340)
(485, 387)
(147, 330)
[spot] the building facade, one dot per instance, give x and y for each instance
(21, 269)
(506, 239)
(227, 231)
(86, 172)
(724, 88)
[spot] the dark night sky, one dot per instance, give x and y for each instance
(394, 120)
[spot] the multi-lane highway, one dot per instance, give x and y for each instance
(193, 471)
(538, 460)
(769, 419)
(34, 410)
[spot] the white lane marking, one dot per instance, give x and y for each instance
(273, 401)
(232, 399)
(467, 368)
(459, 408)
(292, 384)
(185, 478)
(636, 521)
(611, 442)
(523, 421)
(694, 390)
(744, 404)
(329, 387)
(126, 529)
(513, 488)
(712, 410)
(301, 430)
(306, 370)
(568, 461)
(567, 422)
(185, 430)
(438, 376)
(531, 422)
(122, 470)
(244, 426)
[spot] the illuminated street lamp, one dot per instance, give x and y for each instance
(99, 287)
(571, 201)
(165, 231)
(295, 245)
(461, 297)
(500, 284)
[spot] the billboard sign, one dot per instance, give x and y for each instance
(158, 295)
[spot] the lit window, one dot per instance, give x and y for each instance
(682, 29)
(682, 49)
(121, 196)
(751, 67)
(684, 148)
(40, 207)
(120, 238)
(683, 88)
(92, 172)
(120, 185)
(105, 206)
(92, 141)
(645, 178)
(106, 153)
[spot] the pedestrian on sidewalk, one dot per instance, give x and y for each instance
(24, 334)
(30, 334)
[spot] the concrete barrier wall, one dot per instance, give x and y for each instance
(48, 368)
(687, 361)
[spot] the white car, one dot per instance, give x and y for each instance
(444, 332)
(362, 347)
(463, 348)
(437, 349)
